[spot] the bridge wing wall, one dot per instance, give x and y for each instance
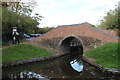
(53, 44)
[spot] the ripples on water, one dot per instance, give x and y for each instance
(68, 66)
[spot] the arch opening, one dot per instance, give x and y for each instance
(71, 45)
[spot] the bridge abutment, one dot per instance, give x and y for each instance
(70, 44)
(62, 45)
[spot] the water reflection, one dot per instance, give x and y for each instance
(69, 66)
(76, 61)
(78, 66)
(26, 75)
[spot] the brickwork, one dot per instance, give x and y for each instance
(54, 44)
(81, 30)
(90, 37)
(113, 32)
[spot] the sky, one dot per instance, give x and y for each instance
(66, 12)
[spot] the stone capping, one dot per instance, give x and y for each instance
(103, 69)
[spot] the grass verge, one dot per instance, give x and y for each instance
(22, 52)
(106, 55)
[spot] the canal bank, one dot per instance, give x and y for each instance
(32, 60)
(21, 52)
(92, 61)
(108, 53)
(86, 59)
(105, 57)
(67, 66)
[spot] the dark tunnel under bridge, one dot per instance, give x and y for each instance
(71, 44)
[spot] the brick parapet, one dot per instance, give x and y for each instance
(80, 30)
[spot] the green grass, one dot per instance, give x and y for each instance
(106, 55)
(22, 52)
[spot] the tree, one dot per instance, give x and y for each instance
(17, 16)
(110, 20)
(23, 8)
(43, 30)
(20, 7)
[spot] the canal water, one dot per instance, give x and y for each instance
(68, 66)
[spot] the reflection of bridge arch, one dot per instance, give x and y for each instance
(71, 44)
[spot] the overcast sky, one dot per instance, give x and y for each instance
(65, 12)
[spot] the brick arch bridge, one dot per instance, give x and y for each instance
(70, 44)
(76, 37)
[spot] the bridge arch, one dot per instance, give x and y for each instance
(71, 44)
